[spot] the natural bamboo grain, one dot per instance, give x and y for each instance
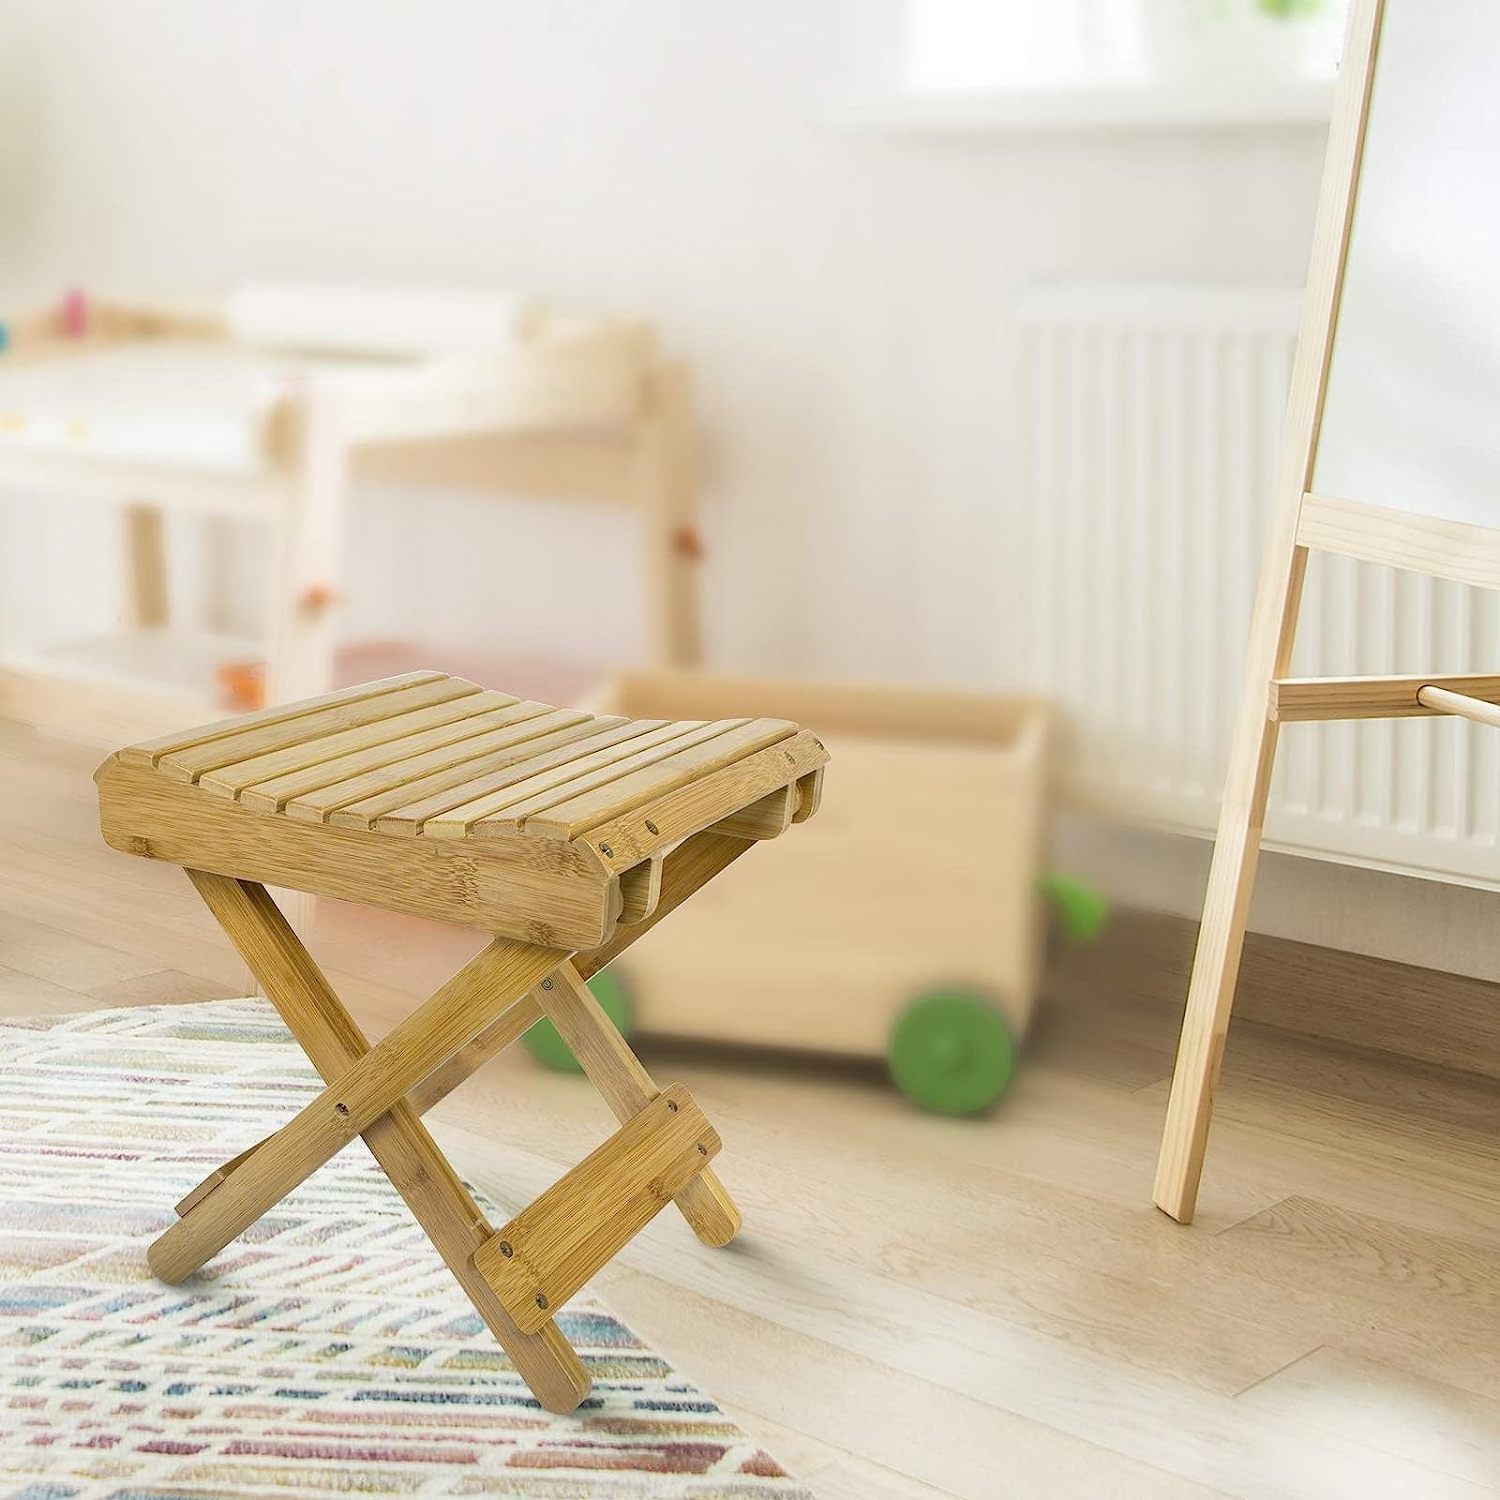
(397, 1140)
(550, 1249)
(473, 999)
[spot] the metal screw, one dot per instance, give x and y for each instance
(606, 851)
(546, 984)
(671, 1106)
(702, 1149)
(541, 1302)
(342, 1109)
(651, 827)
(505, 1249)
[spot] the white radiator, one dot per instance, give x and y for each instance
(1150, 418)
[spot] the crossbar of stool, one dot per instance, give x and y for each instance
(558, 1242)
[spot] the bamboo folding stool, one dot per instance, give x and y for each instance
(563, 835)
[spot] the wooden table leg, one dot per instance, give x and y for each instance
(628, 1088)
(397, 1140)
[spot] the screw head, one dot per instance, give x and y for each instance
(546, 984)
(702, 1149)
(671, 1106)
(541, 1302)
(651, 827)
(606, 851)
(505, 1249)
(342, 1109)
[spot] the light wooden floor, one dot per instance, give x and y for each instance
(921, 1307)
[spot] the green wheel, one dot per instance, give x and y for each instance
(951, 1051)
(543, 1042)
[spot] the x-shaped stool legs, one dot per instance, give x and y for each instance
(381, 1092)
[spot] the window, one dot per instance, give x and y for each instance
(1019, 44)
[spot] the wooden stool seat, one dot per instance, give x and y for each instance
(562, 834)
(427, 794)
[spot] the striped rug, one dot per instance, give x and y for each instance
(327, 1352)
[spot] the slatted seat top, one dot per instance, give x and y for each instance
(437, 760)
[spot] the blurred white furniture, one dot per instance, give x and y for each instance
(266, 408)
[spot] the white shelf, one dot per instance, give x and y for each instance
(1222, 105)
(123, 687)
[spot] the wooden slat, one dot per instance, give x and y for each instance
(189, 763)
(1304, 699)
(148, 752)
(640, 890)
(655, 739)
(809, 795)
(767, 818)
(576, 814)
(455, 736)
(404, 809)
(1443, 549)
(384, 735)
(549, 1250)
(705, 801)
(548, 792)
(371, 777)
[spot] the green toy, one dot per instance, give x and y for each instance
(950, 1051)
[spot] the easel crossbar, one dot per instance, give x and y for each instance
(1307, 699)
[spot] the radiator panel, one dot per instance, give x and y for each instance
(1150, 419)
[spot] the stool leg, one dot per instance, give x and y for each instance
(489, 984)
(477, 995)
(397, 1140)
(628, 1088)
(699, 859)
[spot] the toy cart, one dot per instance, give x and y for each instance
(909, 924)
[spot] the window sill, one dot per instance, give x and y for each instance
(1229, 105)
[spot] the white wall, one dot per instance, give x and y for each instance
(841, 294)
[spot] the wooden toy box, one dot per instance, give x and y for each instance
(917, 878)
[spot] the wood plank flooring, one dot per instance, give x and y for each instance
(920, 1307)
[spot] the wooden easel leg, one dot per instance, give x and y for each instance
(398, 1141)
(628, 1088)
(1231, 880)
(1216, 967)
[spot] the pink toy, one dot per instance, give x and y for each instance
(75, 314)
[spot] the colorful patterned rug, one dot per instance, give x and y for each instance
(327, 1352)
